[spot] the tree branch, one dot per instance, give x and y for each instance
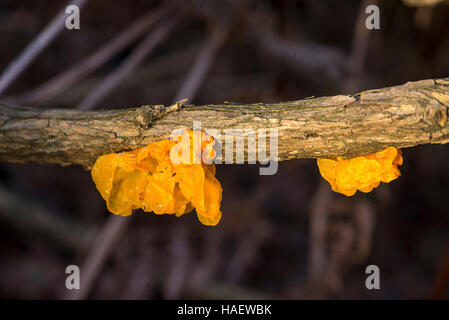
(402, 116)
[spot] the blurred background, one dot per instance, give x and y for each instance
(285, 236)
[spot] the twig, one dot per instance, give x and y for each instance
(205, 269)
(201, 65)
(312, 61)
(359, 49)
(31, 218)
(64, 80)
(145, 78)
(144, 269)
(317, 232)
(46, 36)
(246, 252)
(100, 252)
(125, 69)
(179, 261)
(364, 220)
(343, 238)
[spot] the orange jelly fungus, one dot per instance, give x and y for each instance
(362, 173)
(147, 179)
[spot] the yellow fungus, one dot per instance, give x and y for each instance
(362, 173)
(147, 179)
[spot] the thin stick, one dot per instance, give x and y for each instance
(180, 255)
(23, 214)
(64, 80)
(111, 232)
(317, 232)
(136, 57)
(17, 66)
(360, 42)
(201, 65)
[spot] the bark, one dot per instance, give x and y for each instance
(345, 125)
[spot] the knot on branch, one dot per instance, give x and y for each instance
(148, 114)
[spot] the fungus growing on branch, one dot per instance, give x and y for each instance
(147, 178)
(362, 173)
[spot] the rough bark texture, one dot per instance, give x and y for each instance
(345, 125)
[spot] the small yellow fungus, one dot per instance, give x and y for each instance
(147, 179)
(362, 173)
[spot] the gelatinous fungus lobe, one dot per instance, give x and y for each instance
(362, 173)
(165, 177)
